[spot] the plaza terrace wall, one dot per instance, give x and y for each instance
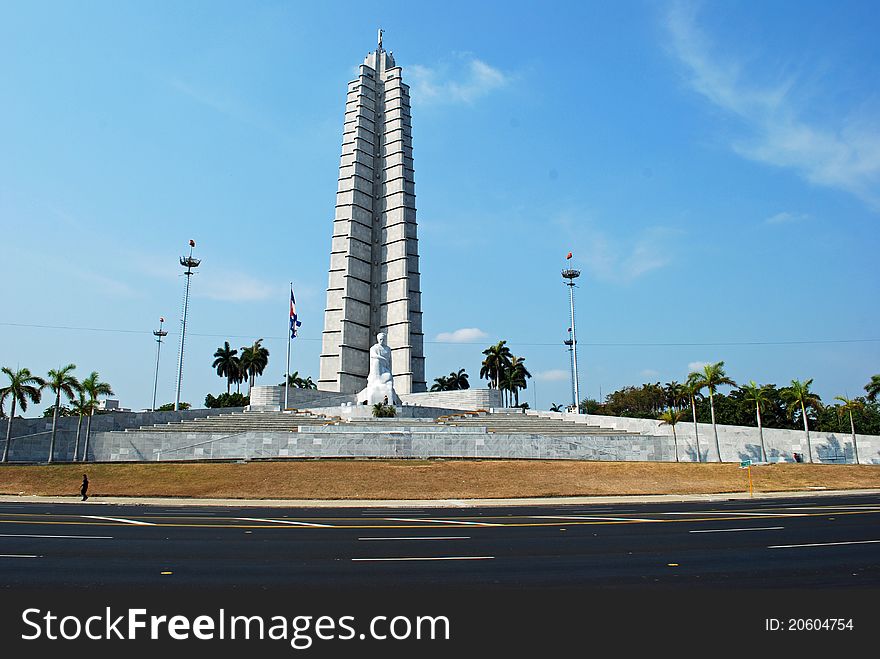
(740, 442)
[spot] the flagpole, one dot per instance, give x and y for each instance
(289, 332)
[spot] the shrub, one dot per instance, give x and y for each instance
(384, 411)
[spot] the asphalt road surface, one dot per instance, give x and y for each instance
(816, 542)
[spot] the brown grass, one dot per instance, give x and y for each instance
(388, 479)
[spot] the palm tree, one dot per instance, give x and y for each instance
(458, 380)
(848, 406)
(556, 407)
(712, 377)
(873, 388)
(81, 406)
(254, 360)
(440, 384)
(295, 381)
(669, 418)
(691, 389)
(23, 387)
(516, 376)
(227, 364)
(675, 394)
(760, 396)
(61, 381)
(497, 359)
(800, 396)
(93, 387)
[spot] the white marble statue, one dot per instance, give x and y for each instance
(380, 384)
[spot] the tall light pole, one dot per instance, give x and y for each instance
(570, 343)
(189, 263)
(570, 275)
(159, 334)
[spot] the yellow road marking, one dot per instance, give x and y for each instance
(568, 522)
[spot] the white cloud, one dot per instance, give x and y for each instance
(844, 154)
(464, 80)
(649, 373)
(620, 260)
(786, 218)
(696, 366)
(463, 335)
(232, 287)
(553, 375)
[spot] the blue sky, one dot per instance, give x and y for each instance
(714, 168)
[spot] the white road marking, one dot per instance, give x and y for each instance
(597, 519)
(711, 512)
(119, 519)
(433, 537)
(283, 521)
(754, 528)
(826, 544)
(19, 556)
(76, 537)
(427, 558)
(440, 521)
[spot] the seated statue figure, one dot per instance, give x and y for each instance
(380, 384)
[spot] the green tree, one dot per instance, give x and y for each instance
(295, 381)
(60, 381)
(712, 377)
(81, 406)
(169, 407)
(458, 380)
(556, 407)
(691, 388)
(759, 396)
(848, 406)
(873, 388)
(515, 377)
(671, 417)
(496, 361)
(254, 359)
(94, 389)
(799, 397)
(440, 384)
(22, 389)
(225, 400)
(227, 364)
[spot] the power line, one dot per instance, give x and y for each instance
(114, 330)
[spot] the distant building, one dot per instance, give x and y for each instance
(110, 405)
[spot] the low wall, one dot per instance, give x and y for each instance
(266, 398)
(740, 442)
(409, 412)
(402, 442)
(30, 437)
(462, 399)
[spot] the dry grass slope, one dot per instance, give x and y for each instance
(388, 479)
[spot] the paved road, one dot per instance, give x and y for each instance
(816, 542)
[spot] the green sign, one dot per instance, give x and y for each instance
(745, 463)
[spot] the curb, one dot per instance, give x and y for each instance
(432, 503)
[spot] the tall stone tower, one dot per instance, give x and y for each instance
(374, 260)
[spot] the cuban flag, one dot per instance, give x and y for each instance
(294, 323)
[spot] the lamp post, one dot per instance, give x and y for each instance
(189, 263)
(570, 343)
(570, 275)
(159, 334)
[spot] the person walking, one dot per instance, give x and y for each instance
(84, 488)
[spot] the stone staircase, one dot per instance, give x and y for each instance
(514, 423)
(242, 422)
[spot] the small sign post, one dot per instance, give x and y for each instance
(747, 465)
